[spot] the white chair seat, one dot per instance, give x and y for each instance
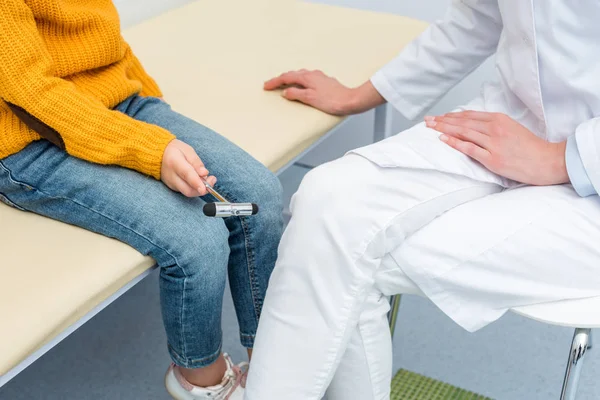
(579, 313)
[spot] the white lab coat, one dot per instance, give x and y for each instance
(547, 69)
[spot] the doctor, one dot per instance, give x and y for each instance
(489, 207)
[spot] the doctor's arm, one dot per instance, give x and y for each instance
(425, 70)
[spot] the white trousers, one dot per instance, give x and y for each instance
(409, 215)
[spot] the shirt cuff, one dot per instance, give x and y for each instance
(577, 174)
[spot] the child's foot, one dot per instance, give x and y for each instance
(230, 388)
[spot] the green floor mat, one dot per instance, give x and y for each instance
(408, 385)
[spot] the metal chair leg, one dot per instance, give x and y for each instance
(590, 340)
(579, 346)
(393, 313)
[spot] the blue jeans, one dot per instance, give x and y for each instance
(195, 253)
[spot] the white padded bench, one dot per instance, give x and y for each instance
(210, 59)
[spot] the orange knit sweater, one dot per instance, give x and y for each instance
(65, 65)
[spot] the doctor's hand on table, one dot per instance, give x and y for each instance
(503, 146)
(325, 93)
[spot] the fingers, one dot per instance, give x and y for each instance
(286, 79)
(476, 125)
(476, 115)
(306, 96)
(470, 149)
(192, 157)
(212, 181)
(191, 170)
(197, 174)
(302, 78)
(461, 132)
(194, 160)
(183, 171)
(187, 173)
(179, 185)
(274, 83)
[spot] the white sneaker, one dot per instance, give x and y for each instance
(231, 387)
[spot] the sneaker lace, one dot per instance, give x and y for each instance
(238, 375)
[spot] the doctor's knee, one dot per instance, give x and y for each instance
(326, 187)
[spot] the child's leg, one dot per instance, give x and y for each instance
(191, 249)
(253, 240)
(194, 252)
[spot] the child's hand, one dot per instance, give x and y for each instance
(182, 170)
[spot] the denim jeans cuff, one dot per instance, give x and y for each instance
(247, 340)
(194, 362)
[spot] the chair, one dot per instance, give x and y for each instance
(579, 314)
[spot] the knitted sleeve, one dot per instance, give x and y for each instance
(137, 72)
(78, 123)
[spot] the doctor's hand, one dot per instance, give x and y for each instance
(183, 171)
(325, 93)
(503, 146)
